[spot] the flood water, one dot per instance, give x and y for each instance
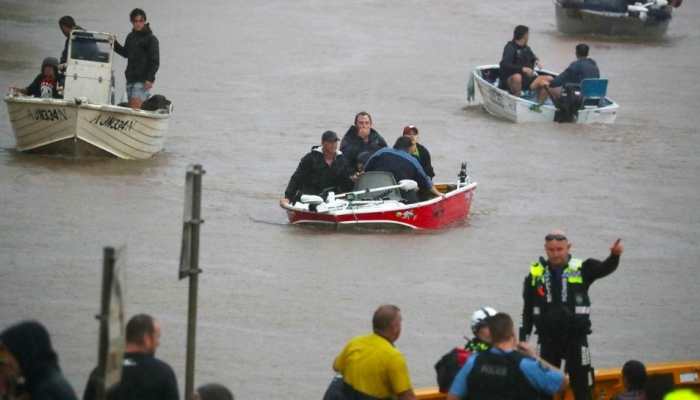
(254, 84)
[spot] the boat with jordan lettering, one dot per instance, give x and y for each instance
(643, 19)
(87, 121)
(589, 104)
(377, 203)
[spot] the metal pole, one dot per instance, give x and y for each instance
(103, 342)
(194, 280)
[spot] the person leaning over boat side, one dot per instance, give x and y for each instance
(556, 302)
(450, 364)
(322, 168)
(361, 137)
(583, 68)
(142, 52)
(505, 371)
(45, 85)
(517, 65)
(402, 165)
(26, 355)
(422, 154)
(143, 375)
(371, 366)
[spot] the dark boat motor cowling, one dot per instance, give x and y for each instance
(568, 104)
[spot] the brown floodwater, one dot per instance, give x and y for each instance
(254, 84)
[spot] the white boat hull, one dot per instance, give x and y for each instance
(67, 125)
(515, 109)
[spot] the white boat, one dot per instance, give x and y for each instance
(648, 19)
(502, 104)
(86, 120)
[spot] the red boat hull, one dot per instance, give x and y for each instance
(436, 213)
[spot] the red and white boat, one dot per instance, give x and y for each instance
(377, 203)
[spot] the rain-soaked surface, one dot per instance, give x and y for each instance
(254, 84)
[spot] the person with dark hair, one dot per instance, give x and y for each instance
(29, 365)
(213, 391)
(583, 68)
(371, 367)
(402, 165)
(46, 84)
(634, 379)
(556, 302)
(361, 137)
(67, 24)
(421, 154)
(141, 49)
(324, 167)
(506, 370)
(517, 66)
(143, 375)
(450, 364)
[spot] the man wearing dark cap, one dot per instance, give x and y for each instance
(556, 303)
(421, 154)
(324, 167)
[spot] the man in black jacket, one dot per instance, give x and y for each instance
(361, 138)
(141, 50)
(518, 63)
(143, 375)
(322, 168)
(556, 302)
(582, 68)
(421, 154)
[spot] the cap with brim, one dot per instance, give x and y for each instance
(410, 130)
(329, 136)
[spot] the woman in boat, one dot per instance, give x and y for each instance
(45, 85)
(422, 154)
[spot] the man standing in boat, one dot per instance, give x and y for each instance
(556, 303)
(518, 63)
(322, 168)
(582, 68)
(142, 52)
(361, 138)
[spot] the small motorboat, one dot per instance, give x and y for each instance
(648, 19)
(87, 121)
(378, 203)
(587, 105)
(661, 378)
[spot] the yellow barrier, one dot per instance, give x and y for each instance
(608, 382)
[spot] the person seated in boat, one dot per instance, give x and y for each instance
(422, 154)
(517, 66)
(361, 137)
(45, 85)
(403, 165)
(583, 68)
(322, 168)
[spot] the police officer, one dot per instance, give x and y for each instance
(556, 302)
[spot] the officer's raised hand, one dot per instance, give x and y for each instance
(617, 248)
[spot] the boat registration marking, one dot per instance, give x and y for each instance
(48, 114)
(113, 123)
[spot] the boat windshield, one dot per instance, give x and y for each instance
(88, 47)
(377, 179)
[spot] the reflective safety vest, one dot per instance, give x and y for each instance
(568, 313)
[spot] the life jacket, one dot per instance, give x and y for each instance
(497, 376)
(565, 314)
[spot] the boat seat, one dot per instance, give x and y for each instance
(375, 179)
(593, 92)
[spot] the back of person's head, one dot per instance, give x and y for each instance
(213, 391)
(634, 375)
(383, 317)
(363, 114)
(501, 328)
(139, 326)
(520, 31)
(30, 344)
(137, 12)
(581, 50)
(403, 143)
(67, 21)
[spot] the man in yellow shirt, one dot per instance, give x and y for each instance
(371, 366)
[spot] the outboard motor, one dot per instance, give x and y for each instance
(568, 104)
